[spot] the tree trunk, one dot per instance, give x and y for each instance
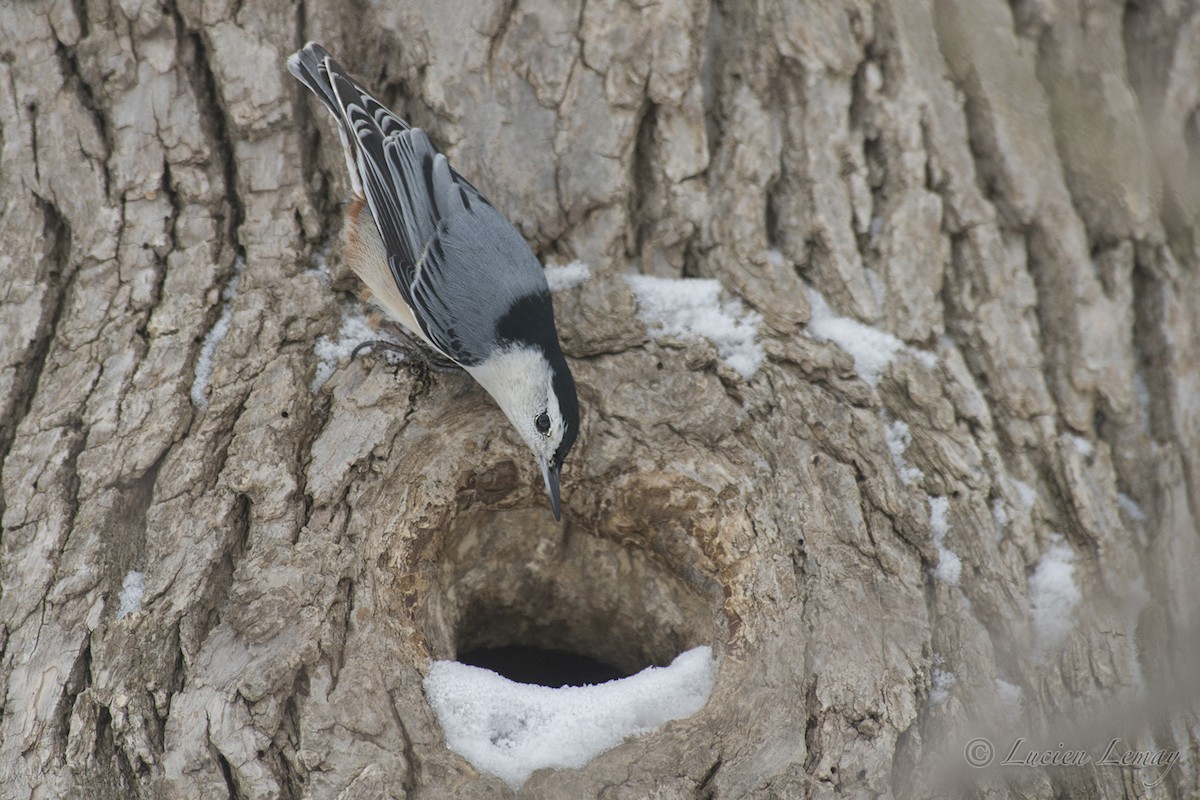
(982, 527)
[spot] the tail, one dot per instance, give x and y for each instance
(313, 66)
(309, 66)
(408, 185)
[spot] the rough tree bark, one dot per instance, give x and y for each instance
(1009, 188)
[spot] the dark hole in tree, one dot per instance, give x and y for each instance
(514, 592)
(542, 666)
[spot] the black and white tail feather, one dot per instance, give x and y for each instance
(467, 278)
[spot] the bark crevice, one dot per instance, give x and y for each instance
(996, 203)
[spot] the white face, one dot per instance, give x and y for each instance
(520, 380)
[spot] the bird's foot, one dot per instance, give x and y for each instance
(411, 352)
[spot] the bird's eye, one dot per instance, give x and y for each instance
(542, 422)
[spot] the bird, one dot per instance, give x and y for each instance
(447, 266)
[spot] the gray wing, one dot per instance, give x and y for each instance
(474, 274)
(442, 264)
(313, 66)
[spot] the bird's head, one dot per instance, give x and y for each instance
(535, 390)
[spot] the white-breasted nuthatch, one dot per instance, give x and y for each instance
(447, 266)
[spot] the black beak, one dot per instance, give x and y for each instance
(550, 475)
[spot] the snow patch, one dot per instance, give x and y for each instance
(319, 264)
(1130, 507)
(1053, 595)
(354, 331)
(1082, 445)
(875, 227)
(219, 330)
(1026, 493)
(926, 357)
(567, 276)
(689, 308)
(1142, 393)
(130, 598)
(876, 285)
(943, 682)
(1000, 515)
(871, 348)
(949, 567)
(1134, 603)
(512, 729)
(899, 438)
(1009, 696)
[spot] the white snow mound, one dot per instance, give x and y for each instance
(691, 308)
(566, 276)
(1053, 596)
(873, 350)
(511, 729)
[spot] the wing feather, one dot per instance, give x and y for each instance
(456, 261)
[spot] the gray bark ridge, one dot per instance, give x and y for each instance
(956, 500)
